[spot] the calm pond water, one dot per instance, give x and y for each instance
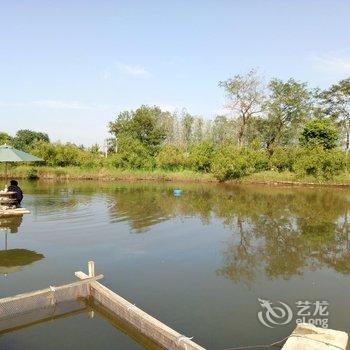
(199, 262)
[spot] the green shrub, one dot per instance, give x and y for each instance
(62, 155)
(201, 156)
(90, 160)
(5, 138)
(282, 159)
(32, 174)
(131, 154)
(334, 163)
(228, 163)
(319, 132)
(258, 159)
(231, 162)
(347, 166)
(171, 158)
(67, 155)
(319, 162)
(46, 151)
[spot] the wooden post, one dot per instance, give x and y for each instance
(91, 268)
(310, 337)
(6, 175)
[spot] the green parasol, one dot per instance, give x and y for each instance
(8, 154)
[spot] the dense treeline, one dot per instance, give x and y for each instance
(282, 126)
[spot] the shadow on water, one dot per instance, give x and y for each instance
(12, 260)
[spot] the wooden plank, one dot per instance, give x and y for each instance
(309, 337)
(146, 324)
(7, 194)
(50, 289)
(13, 212)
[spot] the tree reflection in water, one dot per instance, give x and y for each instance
(278, 231)
(287, 231)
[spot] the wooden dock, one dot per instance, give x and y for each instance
(88, 287)
(8, 202)
(305, 336)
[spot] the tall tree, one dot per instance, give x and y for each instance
(287, 108)
(4, 138)
(25, 139)
(198, 130)
(245, 97)
(170, 124)
(337, 104)
(187, 127)
(144, 125)
(222, 129)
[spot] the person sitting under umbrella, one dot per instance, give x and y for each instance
(19, 194)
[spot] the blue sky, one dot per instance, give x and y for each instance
(68, 67)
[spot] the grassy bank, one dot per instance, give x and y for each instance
(105, 174)
(289, 178)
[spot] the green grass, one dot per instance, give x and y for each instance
(106, 174)
(289, 177)
(57, 173)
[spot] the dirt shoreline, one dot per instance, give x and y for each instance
(296, 183)
(134, 177)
